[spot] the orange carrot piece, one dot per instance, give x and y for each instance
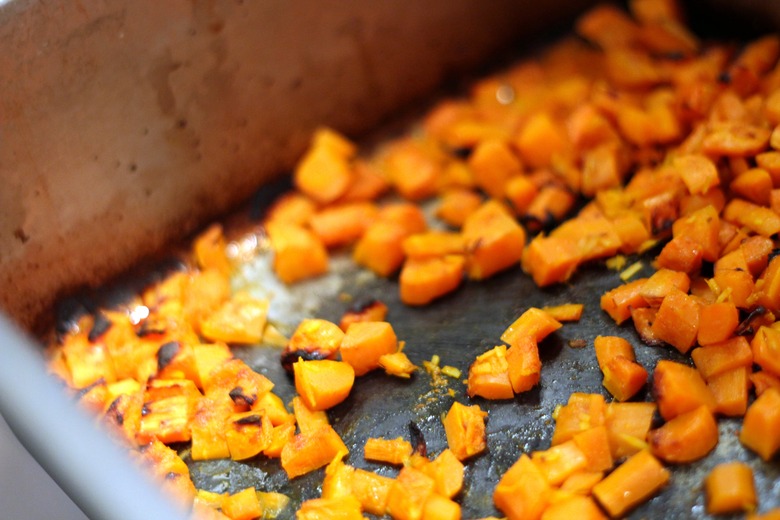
(392, 451)
(581, 482)
(367, 184)
(465, 430)
(372, 310)
(489, 375)
(715, 359)
(324, 383)
(247, 434)
(717, 322)
(623, 378)
(523, 492)
(697, 171)
(520, 191)
(423, 280)
(679, 388)
(633, 482)
(703, 227)
(758, 219)
(298, 253)
(306, 419)
(681, 254)
(344, 508)
(619, 301)
(397, 364)
(324, 173)
(729, 488)
(576, 506)
(494, 240)
(306, 452)
(677, 321)
(560, 461)
(408, 494)
(540, 140)
(456, 205)
(412, 170)
(594, 444)
(608, 347)
(525, 367)
(365, 342)
(438, 507)
(661, 283)
(754, 185)
(342, 224)
(551, 260)
(447, 472)
(533, 323)
(627, 426)
(565, 312)
(763, 380)
(766, 349)
(731, 389)
(433, 244)
(371, 490)
(313, 338)
(761, 425)
(380, 248)
(687, 437)
(493, 163)
(582, 412)
(243, 505)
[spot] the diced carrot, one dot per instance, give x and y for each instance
(372, 310)
(209, 250)
(533, 323)
(661, 283)
(576, 506)
(343, 508)
(619, 301)
(677, 321)
(489, 375)
(447, 472)
(731, 389)
(298, 253)
(342, 224)
(274, 408)
(282, 435)
(456, 205)
(409, 493)
(313, 338)
(291, 208)
(236, 380)
(412, 169)
(627, 425)
(551, 204)
(433, 244)
(424, 280)
(594, 236)
(766, 349)
(207, 357)
(679, 388)
(241, 319)
(208, 435)
(623, 378)
(581, 482)
(520, 191)
(594, 444)
(643, 319)
(465, 430)
(560, 461)
(523, 492)
(758, 219)
(729, 488)
(306, 452)
(371, 490)
(633, 482)
(397, 364)
(763, 380)
(324, 173)
(243, 505)
(582, 412)
(365, 342)
(524, 364)
(754, 185)
(717, 322)
(438, 507)
(169, 410)
(493, 163)
(494, 240)
(392, 451)
(565, 311)
(551, 260)
(540, 140)
(698, 172)
(247, 434)
(380, 248)
(761, 426)
(323, 384)
(338, 479)
(367, 183)
(687, 437)
(717, 358)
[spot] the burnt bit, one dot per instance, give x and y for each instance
(151, 326)
(145, 410)
(578, 343)
(417, 439)
(724, 78)
(461, 152)
(745, 327)
(368, 309)
(87, 389)
(100, 326)
(166, 353)
(240, 398)
(773, 253)
(114, 413)
(291, 356)
(254, 419)
(21, 235)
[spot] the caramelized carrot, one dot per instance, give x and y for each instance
(634, 481)
(494, 241)
(687, 437)
(323, 384)
(523, 492)
(489, 375)
(365, 343)
(392, 451)
(298, 253)
(533, 323)
(465, 430)
(729, 488)
(424, 280)
(309, 451)
(627, 426)
(679, 388)
(761, 427)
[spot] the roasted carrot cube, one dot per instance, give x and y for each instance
(560, 461)
(324, 383)
(392, 451)
(717, 358)
(493, 163)
(456, 205)
(343, 224)
(633, 482)
(524, 364)
(409, 493)
(298, 253)
(679, 388)
(717, 322)
(344, 508)
(582, 412)
(731, 389)
(551, 260)
(523, 492)
(424, 280)
(761, 426)
(438, 507)
(677, 321)
(325, 173)
(534, 323)
(766, 349)
(494, 240)
(365, 342)
(729, 488)
(687, 437)
(309, 451)
(371, 490)
(627, 426)
(619, 301)
(465, 430)
(447, 472)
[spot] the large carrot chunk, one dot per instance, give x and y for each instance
(633, 482)
(679, 388)
(523, 492)
(323, 383)
(761, 426)
(494, 240)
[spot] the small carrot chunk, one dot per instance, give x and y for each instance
(489, 375)
(619, 301)
(582, 412)
(371, 490)
(627, 426)
(306, 452)
(324, 383)
(433, 244)
(661, 283)
(392, 451)
(342, 224)
(409, 493)
(729, 488)
(397, 364)
(551, 260)
(325, 173)
(540, 140)
(523, 492)
(365, 343)
(766, 349)
(697, 171)
(633, 482)
(685, 438)
(717, 322)
(372, 310)
(525, 367)
(447, 472)
(576, 506)
(438, 507)
(761, 425)
(594, 444)
(493, 163)
(679, 388)
(494, 240)
(343, 508)
(715, 359)
(298, 253)
(560, 461)
(464, 427)
(424, 280)
(677, 321)
(456, 205)
(565, 312)
(533, 323)
(731, 389)
(243, 505)
(412, 169)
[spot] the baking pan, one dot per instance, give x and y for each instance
(123, 175)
